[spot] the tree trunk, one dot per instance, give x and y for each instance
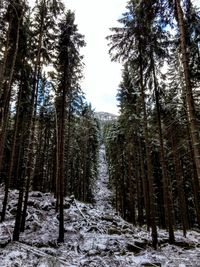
(166, 181)
(57, 185)
(149, 163)
(27, 168)
(3, 68)
(195, 181)
(5, 99)
(193, 123)
(62, 169)
(145, 185)
(16, 231)
(7, 182)
(180, 187)
(5, 103)
(139, 185)
(29, 163)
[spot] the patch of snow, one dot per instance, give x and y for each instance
(95, 235)
(102, 194)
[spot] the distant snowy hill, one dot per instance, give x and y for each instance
(105, 116)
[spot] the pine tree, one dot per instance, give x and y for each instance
(68, 67)
(192, 117)
(14, 16)
(7, 87)
(136, 27)
(44, 23)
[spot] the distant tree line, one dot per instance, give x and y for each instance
(153, 149)
(48, 133)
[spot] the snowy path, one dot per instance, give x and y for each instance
(95, 235)
(102, 194)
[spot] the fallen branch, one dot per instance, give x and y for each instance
(38, 252)
(89, 223)
(8, 230)
(28, 216)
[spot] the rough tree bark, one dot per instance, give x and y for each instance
(166, 181)
(4, 109)
(180, 185)
(193, 123)
(148, 155)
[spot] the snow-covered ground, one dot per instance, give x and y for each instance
(95, 236)
(102, 194)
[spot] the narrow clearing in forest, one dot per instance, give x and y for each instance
(102, 194)
(94, 235)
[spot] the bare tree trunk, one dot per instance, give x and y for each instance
(2, 73)
(180, 187)
(133, 183)
(145, 186)
(7, 182)
(166, 181)
(195, 182)
(5, 99)
(139, 184)
(16, 231)
(149, 163)
(62, 169)
(193, 124)
(57, 188)
(31, 158)
(28, 164)
(5, 120)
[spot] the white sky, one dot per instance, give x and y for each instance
(102, 77)
(196, 2)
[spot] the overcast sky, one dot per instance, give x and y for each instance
(102, 77)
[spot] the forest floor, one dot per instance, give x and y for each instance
(95, 235)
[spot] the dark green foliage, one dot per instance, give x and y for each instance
(49, 136)
(43, 102)
(145, 43)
